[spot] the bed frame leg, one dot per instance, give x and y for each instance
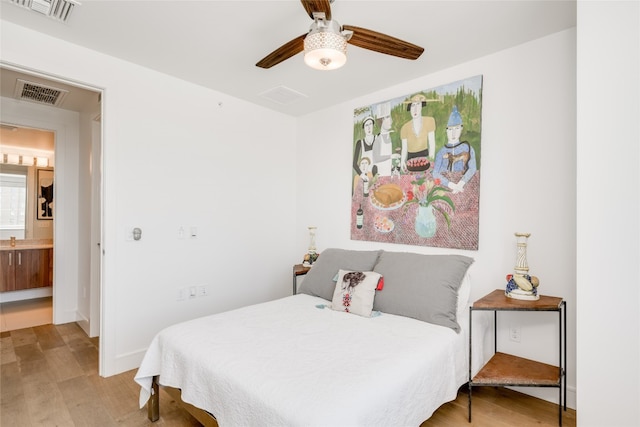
(153, 405)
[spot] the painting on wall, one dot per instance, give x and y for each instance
(44, 194)
(416, 168)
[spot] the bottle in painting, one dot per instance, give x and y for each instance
(359, 217)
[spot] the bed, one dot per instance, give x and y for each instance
(396, 352)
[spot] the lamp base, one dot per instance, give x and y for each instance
(309, 259)
(522, 295)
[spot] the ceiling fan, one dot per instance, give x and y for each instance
(325, 44)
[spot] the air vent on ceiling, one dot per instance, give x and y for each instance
(40, 93)
(282, 95)
(56, 9)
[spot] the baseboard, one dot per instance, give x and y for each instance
(83, 322)
(62, 317)
(26, 294)
(549, 394)
(128, 361)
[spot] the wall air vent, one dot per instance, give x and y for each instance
(39, 93)
(55, 9)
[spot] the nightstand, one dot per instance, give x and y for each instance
(298, 270)
(508, 370)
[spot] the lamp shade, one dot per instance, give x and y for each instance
(27, 160)
(325, 49)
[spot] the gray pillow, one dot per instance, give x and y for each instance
(423, 287)
(319, 280)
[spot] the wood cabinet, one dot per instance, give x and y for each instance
(26, 269)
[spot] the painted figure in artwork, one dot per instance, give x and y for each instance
(46, 198)
(455, 155)
(418, 134)
(383, 145)
(376, 147)
(366, 176)
(364, 146)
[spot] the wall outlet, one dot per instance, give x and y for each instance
(514, 333)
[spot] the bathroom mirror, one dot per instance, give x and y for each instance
(25, 156)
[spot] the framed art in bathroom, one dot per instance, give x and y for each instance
(44, 194)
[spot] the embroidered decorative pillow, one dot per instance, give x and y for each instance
(355, 291)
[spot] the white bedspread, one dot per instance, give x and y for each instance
(289, 363)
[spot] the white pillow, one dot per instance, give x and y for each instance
(355, 291)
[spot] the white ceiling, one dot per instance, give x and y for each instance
(217, 43)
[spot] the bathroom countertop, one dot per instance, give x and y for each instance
(5, 245)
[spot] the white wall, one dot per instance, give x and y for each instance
(527, 181)
(609, 214)
(176, 154)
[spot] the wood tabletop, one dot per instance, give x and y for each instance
(497, 300)
(300, 269)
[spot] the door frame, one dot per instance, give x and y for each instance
(61, 270)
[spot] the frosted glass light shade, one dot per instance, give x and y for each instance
(27, 160)
(325, 50)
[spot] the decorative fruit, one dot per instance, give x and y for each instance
(522, 282)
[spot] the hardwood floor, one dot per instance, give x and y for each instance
(49, 377)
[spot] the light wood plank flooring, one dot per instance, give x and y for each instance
(49, 377)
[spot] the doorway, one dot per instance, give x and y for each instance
(26, 222)
(77, 227)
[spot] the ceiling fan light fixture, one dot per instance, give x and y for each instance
(325, 48)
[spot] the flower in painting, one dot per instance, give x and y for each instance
(429, 192)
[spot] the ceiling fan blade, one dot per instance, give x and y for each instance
(317, 6)
(378, 42)
(285, 51)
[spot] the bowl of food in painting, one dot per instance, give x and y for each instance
(418, 164)
(387, 197)
(383, 224)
